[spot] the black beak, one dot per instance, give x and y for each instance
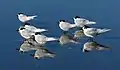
(17, 49)
(17, 30)
(32, 55)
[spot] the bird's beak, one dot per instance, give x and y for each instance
(57, 22)
(17, 49)
(17, 30)
(74, 18)
(32, 55)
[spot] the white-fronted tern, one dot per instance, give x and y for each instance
(24, 18)
(42, 39)
(65, 26)
(92, 32)
(80, 22)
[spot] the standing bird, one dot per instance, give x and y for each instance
(27, 30)
(33, 28)
(26, 34)
(92, 45)
(92, 32)
(80, 22)
(24, 18)
(42, 39)
(65, 26)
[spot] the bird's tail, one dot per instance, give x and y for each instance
(91, 22)
(32, 17)
(51, 55)
(51, 39)
(103, 48)
(103, 30)
(75, 42)
(41, 30)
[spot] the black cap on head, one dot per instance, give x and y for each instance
(21, 52)
(37, 33)
(62, 20)
(86, 26)
(22, 28)
(86, 50)
(77, 17)
(20, 13)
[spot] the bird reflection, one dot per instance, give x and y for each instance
(31, 45)
(28, 45)
(66, 39)
(79, 34)
(92, 45)
(43, 53)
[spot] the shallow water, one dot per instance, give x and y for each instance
(105, 12)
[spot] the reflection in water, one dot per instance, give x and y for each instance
(35, 40)
(79, 34)
(92, 45)
(40, 51)
(66, 39)
(29, 45)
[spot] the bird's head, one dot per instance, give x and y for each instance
(85, 27)
(20, 29)
(76, 17)
(35, 57)
(61, 20)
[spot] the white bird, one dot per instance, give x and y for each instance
(65, 26)
(25, 33)
(24, 18)
(65, 39)
(90, 46)
(42, 39)
(80, 22)
(33, 28)
(92, 32)
(42, 52)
